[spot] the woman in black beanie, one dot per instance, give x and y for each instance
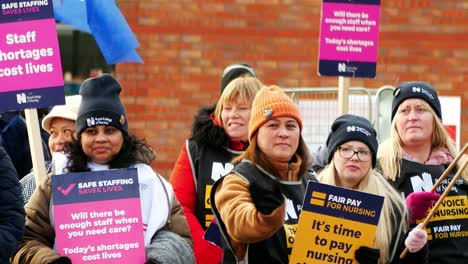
(352, 145)
(104, 143)
(414, 157)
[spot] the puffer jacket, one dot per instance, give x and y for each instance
(192, 175)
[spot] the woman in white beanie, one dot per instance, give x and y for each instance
(60, 124)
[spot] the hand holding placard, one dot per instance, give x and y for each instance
(367, 255)
(439, 202)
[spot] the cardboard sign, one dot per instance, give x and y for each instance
(30, 67)
(97, 217)
(334, 222)
(349, 31)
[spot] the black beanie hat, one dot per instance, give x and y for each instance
(233, 71)
(419, 90)
(101, 105)
(348, 128)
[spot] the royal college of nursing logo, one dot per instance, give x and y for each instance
(417, 89)
(358, 129)
(90, 121)
(341, 67)
(21, 98)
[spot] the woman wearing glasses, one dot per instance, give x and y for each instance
(352, 145)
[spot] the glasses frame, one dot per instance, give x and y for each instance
(354, 153)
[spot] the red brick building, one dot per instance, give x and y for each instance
(186, 45)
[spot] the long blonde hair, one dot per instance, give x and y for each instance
(389, 154)
(393, 210)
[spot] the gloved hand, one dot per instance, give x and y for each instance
(419, 202)
(416, 239)
(367, 255)
(266, 194)
(61, 260)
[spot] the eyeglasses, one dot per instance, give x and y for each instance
(348, 153)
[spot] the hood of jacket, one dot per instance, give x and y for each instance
(204, 130)
(145, 155)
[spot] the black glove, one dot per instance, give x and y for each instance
(366, 255)
(61, 260)
(152, 261)
(266, 194)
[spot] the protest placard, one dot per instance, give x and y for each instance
(97, 217)
(349, 32)
(213, 234)
(334, 222)
(30, 67)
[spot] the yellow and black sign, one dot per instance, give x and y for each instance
(334, 222)
(442, 224)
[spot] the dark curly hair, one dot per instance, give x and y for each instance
(134, 150)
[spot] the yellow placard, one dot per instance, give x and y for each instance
(334, 222)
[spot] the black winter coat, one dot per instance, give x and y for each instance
(11, 209)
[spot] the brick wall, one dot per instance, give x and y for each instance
(186, 44)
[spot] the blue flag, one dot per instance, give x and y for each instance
(73, 13)
(101, 18)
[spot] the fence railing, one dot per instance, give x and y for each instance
(319, 108)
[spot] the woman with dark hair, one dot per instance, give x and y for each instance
(258, 204)
(104, 143)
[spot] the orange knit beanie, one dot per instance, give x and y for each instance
(271, 102)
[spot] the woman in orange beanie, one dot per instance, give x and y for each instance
(268, 180)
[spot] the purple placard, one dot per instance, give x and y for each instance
(348, 38)
(29, 56)
(97, 217)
